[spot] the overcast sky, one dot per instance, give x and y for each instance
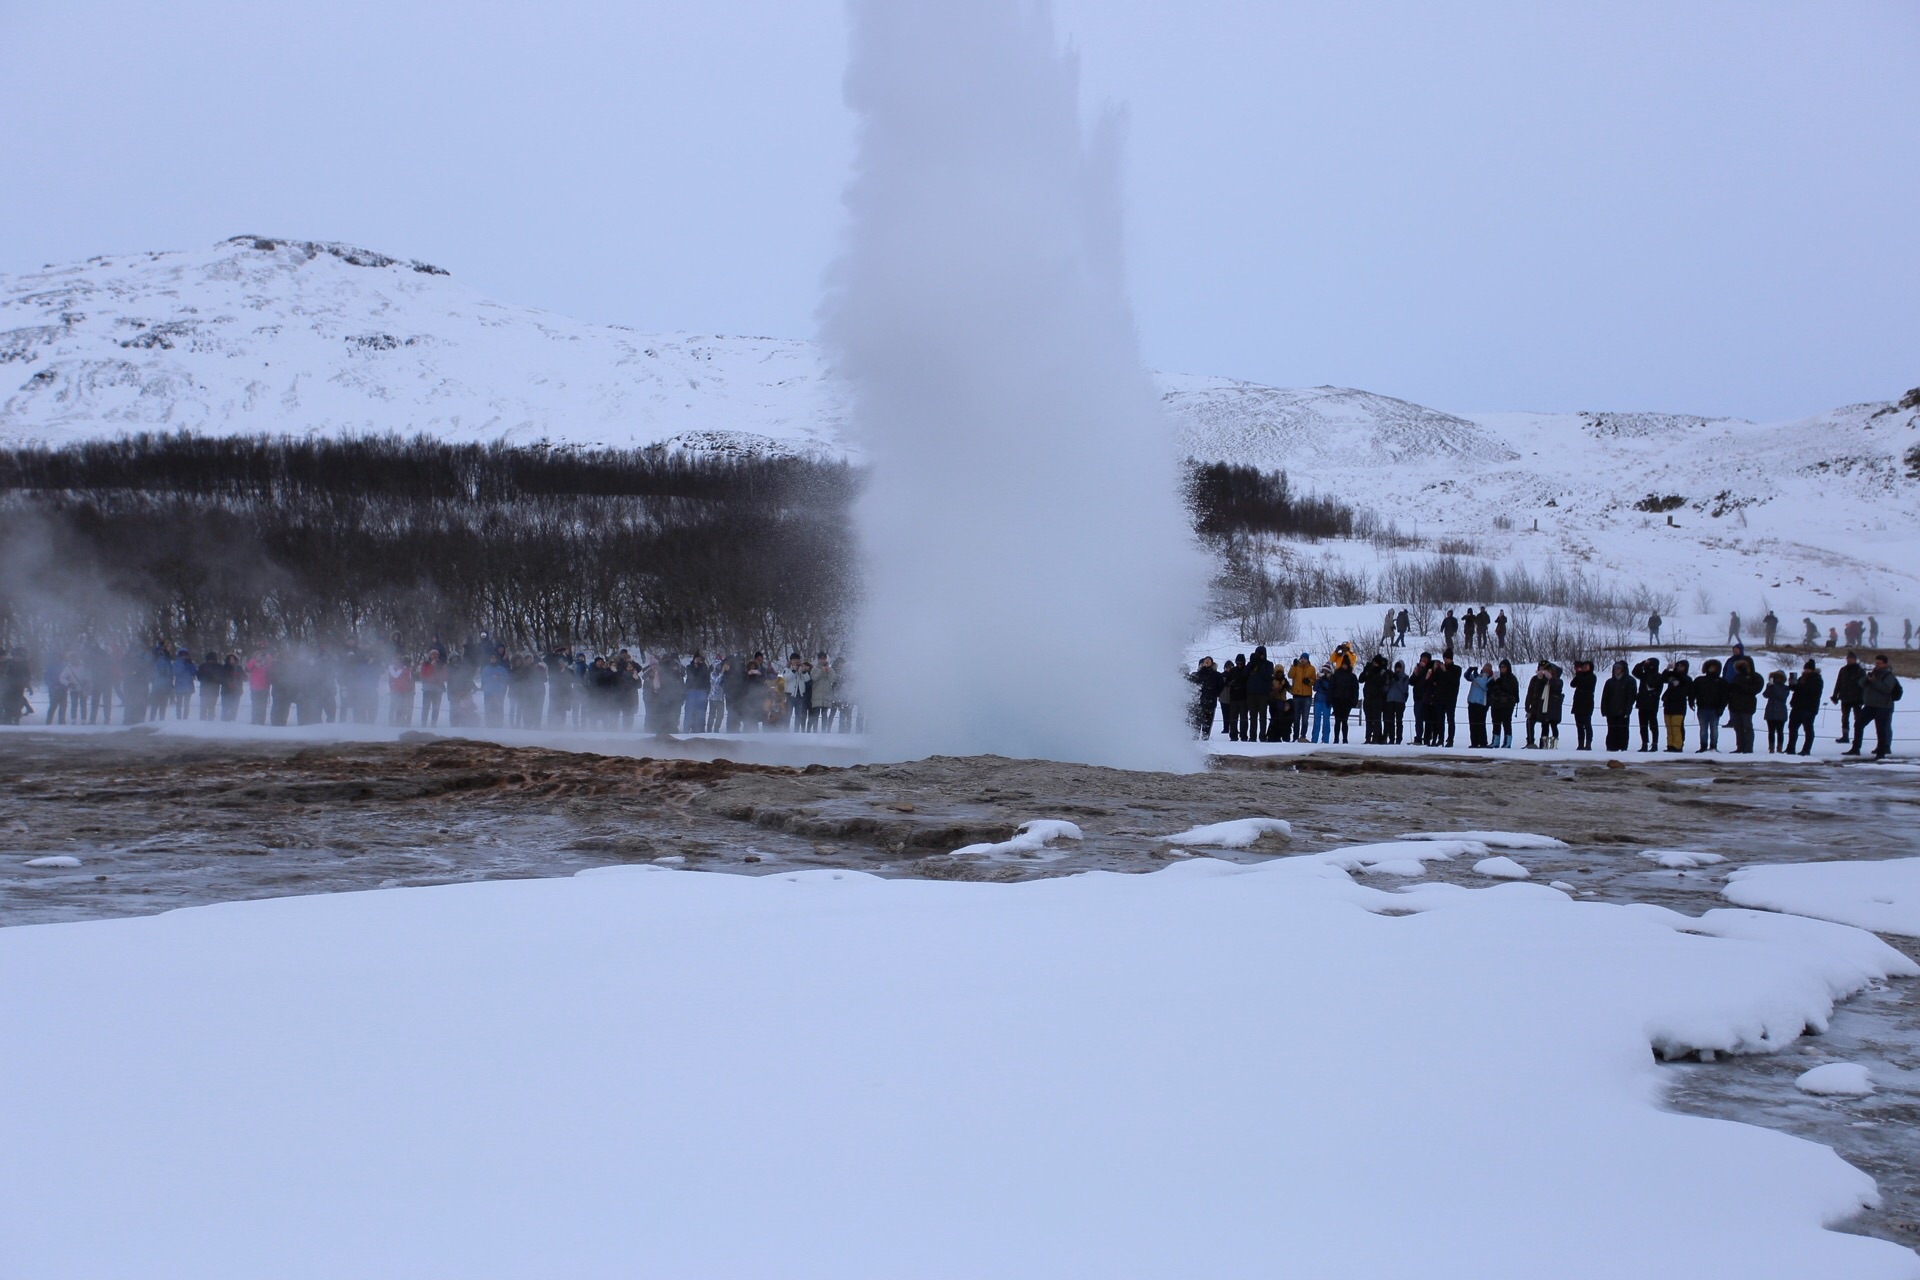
(1637, 204)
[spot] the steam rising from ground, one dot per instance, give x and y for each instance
(1031, 575)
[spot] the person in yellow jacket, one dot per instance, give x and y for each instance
(1342, 656)
(1300, 677)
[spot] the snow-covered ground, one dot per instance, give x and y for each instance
(1213, 1069)
(1816, 517)
(1882, 896)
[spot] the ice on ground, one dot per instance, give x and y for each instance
(53, 860)
(1840, 1079)
(1031, 838)
(1502, 868)
(1882, 896)
(1240, 833)
(587, 1076)
(1492, 839)
(1561, 885)
(1681, 859)
(671, 859)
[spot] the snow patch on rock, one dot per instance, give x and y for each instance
(1837, 1079)
(1239, 833)
(1031, 840)
(1501, 868)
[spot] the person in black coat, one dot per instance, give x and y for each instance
(1446, 698)
(1647, 702)
(1743, 699)
(1207, 683)
(733, 692)
(1846, 691)
(1676, 691)
(1503, 695)
(1343, 690)
(1259, 693)
(1583, 683)
(1373, 697)
(1233, 698)
(1617, 700)
(1556, 706)
(1803, 706)
(1538, 692)
(1709, 701)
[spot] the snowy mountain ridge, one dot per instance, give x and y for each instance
(262, 334)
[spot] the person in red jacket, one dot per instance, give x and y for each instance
(259, 683)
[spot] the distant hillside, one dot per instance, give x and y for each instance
(260, 334)
(269, 335)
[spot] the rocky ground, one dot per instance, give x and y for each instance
(160, 822)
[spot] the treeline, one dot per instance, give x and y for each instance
(216, 542)
(277, 468)
(1225, 500)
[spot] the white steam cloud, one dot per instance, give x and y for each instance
(1031, 575)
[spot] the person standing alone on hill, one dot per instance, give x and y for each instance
(1653, 627)
(1500, 630)
(1768, 626)
(1733, 628)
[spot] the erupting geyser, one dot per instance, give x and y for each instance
(1031, 576)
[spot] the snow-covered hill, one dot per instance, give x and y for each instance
(262, 334)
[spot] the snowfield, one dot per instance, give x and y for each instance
(259, 334)
(1213, 1069)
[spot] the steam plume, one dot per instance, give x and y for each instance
(1031, 576)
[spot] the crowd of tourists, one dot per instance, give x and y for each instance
(478, 684)
(1256, 699)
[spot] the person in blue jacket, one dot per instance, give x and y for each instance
(495, 677)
